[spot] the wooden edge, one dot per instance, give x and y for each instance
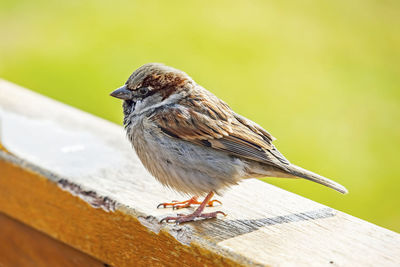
(29, 247)
(39, 202)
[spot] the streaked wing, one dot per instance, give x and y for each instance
(213, 124)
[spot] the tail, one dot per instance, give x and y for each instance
(300, 172)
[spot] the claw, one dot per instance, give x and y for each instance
(212, 214)
(166, 219)
(211, 203)
(187, 203)
(182, 218)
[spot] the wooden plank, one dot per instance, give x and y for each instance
(63, 152)
(21, 245)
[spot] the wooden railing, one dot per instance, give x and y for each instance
(74, 177)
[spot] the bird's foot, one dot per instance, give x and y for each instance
(182, 218)
(187, 203)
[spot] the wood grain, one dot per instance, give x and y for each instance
(91, 192)
(21, 245)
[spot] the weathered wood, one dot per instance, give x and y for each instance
(75, 177)
(21, 245)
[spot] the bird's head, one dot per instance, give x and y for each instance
(150, 85)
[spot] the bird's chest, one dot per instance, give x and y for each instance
(182, 165)
(150, 145)
(139, 133)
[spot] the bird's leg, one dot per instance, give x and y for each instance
(181, 218)
(187, 203)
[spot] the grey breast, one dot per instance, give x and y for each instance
(184, 166)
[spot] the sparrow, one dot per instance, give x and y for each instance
(193, 142)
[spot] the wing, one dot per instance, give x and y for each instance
(212, 123)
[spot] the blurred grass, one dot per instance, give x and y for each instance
(323, 77)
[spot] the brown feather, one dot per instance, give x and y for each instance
(208, 121)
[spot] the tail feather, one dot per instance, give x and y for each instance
(300, 172)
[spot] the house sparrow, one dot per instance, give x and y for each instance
(193, 142)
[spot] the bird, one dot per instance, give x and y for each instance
(192, 142)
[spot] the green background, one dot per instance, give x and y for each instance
(322, 76)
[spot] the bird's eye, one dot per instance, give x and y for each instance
(143, 90)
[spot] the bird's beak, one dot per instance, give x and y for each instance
(122, 93)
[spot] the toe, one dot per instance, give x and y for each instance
(211, 203)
